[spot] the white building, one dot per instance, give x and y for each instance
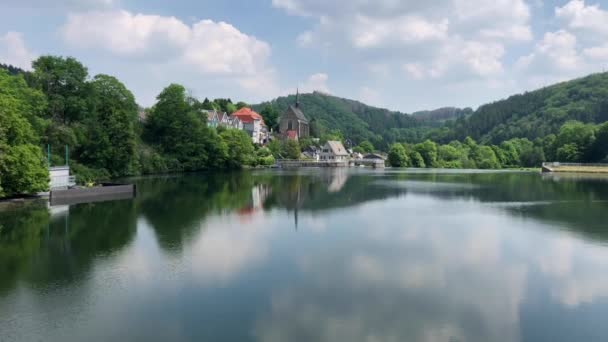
(216, 119)
(253, 124)
(333, 151)
(60, 178)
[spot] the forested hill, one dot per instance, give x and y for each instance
(537, 113)
(530, 115)
(442, 114)
(357, 121)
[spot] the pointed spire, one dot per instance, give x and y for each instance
(297, 97)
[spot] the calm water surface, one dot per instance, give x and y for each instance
(314, 255)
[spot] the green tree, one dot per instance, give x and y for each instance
(569, 153)
(485, 158)
(209, 105)
(290, 149)
(416, 159)
(241, 104)
(449, 157)
(510, 154)
(365, 147)
(578, 136)
(397, 156)
(532, 157)
(599, 150)
(264, 157)
(275, 147)
(225, 105)
(181, 134)
(306, 143)
(64, 82)
(428, 151)
(240, 148)
(112, 140)
(271, 117)
(22, 166)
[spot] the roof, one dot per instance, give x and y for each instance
(337, 148)
(374, 156)
(212, 115)
(298, 113)
(247, 115)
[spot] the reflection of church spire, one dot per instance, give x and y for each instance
(297, 205)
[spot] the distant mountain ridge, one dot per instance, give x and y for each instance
(531, 115)
(359, 121)
(537, 113)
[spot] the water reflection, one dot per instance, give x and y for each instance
(377, 256)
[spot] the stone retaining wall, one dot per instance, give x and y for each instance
(108, 192)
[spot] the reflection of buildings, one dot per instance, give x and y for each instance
(337, 179)
(306, 191)
(259, 194)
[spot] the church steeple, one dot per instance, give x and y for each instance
(297, 97)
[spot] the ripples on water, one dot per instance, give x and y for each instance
(314, 255)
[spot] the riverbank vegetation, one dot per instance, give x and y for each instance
(575, 142)
(58, 104)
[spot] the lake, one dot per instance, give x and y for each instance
(314, 255)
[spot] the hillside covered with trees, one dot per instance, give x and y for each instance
(538, 113)
(563, 122)
(353, 119)
(531, 115)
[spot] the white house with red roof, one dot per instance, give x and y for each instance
(253, 124)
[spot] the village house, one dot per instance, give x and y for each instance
(293, 124)
(333, 151)
(253, 124)
(216, 119)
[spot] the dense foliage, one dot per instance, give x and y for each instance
(22, 167)
(538, 113)
(442, 114)
(58, 104)
(11, 69)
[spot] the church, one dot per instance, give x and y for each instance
(293, 123)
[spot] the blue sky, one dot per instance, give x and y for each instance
(404, 55)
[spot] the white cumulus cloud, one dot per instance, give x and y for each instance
(124, 33)
(557, 52)
(579, 16)
(217, 49)
(455, 39)
(14, 51)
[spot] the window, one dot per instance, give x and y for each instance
(290, 125)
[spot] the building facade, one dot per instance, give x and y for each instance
(216, 119)
(253, 124)
(294, 120)
(333, 151)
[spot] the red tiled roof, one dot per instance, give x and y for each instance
(247, 115)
